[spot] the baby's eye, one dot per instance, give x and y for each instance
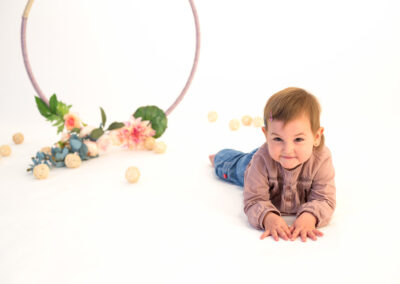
(277, 139)
(299, 140)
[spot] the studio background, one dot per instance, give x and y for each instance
(179, 223)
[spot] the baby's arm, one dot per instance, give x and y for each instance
(260, 211)
(318, 210)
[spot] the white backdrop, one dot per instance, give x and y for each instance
(180, 224)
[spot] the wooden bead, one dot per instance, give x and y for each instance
(72, 161)
(5, 150)
(247, 120)
(132, 174)
(150, 143)
(160, 147)
(41, 171)
(258, 121)
(18, 138)
(234, 124)
(212, 116)
(46, 150)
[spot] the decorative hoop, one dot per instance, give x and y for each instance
(43, 96)
(81, 142)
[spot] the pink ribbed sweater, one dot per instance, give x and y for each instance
(310, 187)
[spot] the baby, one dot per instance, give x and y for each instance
(290, 174)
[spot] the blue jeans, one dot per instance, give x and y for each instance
(230, 165)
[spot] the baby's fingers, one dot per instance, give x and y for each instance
(295, 234)
(318, 233)
(283, 234)
(265, 234)
(303, 235)
(311, 235)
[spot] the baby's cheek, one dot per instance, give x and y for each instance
(305, 154)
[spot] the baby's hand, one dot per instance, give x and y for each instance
(304, 226)
(275, 226)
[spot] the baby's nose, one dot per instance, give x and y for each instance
(288, 147)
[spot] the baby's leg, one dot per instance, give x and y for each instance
(230, 165)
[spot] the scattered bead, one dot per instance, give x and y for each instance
(72, 161)
(5, 150)
(160, 147)
(41, 171)
(18, 138)
(247, 120)
(258, 121)
(46, 150)
(132, 174)
(212, 116)
(234, 124)
(150, 143)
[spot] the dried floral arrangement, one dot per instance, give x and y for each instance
(79, 141)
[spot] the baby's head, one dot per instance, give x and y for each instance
(292, 126)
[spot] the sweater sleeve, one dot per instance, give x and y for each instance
(321, 200)
(256, 195)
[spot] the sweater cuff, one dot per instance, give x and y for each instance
(263, 214)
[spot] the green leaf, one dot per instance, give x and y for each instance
(53, 103)
(96, 133)
(76, 130)
(115, 125)
(156, 116)
(62, 109)
(60, 128)
(43, 107)
(103, 117)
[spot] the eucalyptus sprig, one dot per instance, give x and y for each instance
(98, 132)
(53, 112)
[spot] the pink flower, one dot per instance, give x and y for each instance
(71, 121)
(134, 133)
(103, 142)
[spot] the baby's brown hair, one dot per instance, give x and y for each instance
(289, 104)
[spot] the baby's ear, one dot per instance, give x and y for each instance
(264, 130)
(318, 135)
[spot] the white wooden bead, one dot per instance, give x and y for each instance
(247, 120)
(5, 150)
(150, 143)
(132, 174)
(18, 138)
(46, 150)
(72, 161)
(160, 147)
(41, 171)
(212, 116)
(234, 124)
(258, 121)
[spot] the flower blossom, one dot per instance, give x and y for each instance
(93, 150)
(103, 142)
(134, 133)
(71, 121)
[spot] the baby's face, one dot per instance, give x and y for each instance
(293, 144)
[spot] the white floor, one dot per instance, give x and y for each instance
(179, 223)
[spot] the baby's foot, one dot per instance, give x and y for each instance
(211, 157)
